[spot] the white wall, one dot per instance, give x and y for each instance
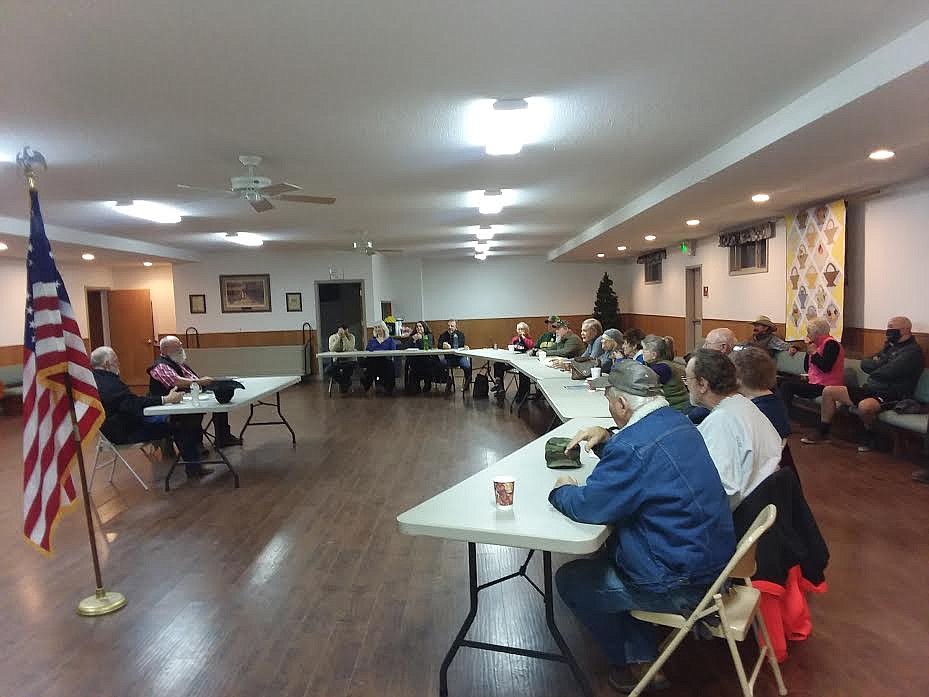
(290, 271)
(399, 280)
(510, 287)
(160, 282)
(730, 297)
(13, 295)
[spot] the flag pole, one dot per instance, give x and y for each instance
(102, 602)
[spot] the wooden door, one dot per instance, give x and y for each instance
(132, 332)
(694, 308)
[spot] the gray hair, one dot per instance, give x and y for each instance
(380, 325)
(635, 401)
(818, 327)
(655, 343)
(167, 341)
(101, 355)
(592, 322)
(522, 325)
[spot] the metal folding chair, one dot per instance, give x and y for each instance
(104, 445)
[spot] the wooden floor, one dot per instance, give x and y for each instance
(298, 584)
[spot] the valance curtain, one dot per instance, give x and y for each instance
(764, 231)
(659, 255)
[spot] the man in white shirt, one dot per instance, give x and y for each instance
(341, 368)
(743, 444)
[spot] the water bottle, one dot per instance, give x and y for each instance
(195, 392)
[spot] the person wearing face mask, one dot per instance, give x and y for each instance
(892, 376)
(170, 370)
(672, 534)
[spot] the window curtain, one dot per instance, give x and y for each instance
(756, 233)
(660, 255)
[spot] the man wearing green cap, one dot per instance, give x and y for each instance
(568, 344)
(672, 530)
(547, 340)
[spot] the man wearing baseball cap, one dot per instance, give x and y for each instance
(568, 344)
(548, 339)
(672, 529)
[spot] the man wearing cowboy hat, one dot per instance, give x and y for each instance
(764, 336)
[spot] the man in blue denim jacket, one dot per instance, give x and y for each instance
(673, 533)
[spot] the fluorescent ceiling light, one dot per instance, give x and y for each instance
(491, 202)
(246, 239)
(485, 232)
(650, 238)
(761, 198)
(693, 222)
(621, 248)
(3, 247)
(482, 247)
(881, 154)
(87, 256)
(600, 255)
(147, 210)
(146, 263)
(507, 127)
(480, 256)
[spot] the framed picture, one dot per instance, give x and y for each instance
(197, 304)
(245, 293)
(294, 302)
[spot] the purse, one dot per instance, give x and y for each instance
(580, 367)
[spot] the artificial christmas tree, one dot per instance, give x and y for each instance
(606, 306)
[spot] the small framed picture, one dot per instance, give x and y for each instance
(294, 302)
(198, 304)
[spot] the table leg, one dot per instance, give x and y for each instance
(277, 405)
(223, 460)
(548, 596)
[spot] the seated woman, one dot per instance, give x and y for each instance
(522, 343)
(658, 353)
(632, 344)
(757, 374)
(612, 342)
(824, 363)
(421, 370)
(381, 367)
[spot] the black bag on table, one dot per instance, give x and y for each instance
(481, 388)
(580, 367)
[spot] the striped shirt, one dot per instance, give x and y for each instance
(167, 376)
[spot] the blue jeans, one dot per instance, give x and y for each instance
(594, 591)
(454, 361)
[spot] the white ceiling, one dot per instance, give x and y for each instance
(368, 102)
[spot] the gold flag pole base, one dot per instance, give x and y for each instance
(103, 602)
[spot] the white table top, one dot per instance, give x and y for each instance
(467, 512)
(570, 399)
(380, 354)
(255, 389)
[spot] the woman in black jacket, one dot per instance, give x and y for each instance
(420, 370)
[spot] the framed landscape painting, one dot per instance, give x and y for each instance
(245, 293)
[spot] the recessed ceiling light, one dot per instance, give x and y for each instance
(3, 247)
(87, 256)
(482, 247)
(246, 239)
(147, 210)
(507, 126)
(480, 256)
(621, 249)
(491, 202)
(600, 255)
(146, 263)
(650, 238)
(761, 198)
(881, 154)
(693, 222)
(485, 232)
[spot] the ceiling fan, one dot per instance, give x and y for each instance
(259, 191)
(366, 247)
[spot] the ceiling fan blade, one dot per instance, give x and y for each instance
(210, 191)
(389, 251)
(300, 198)
(261, 205)
(277, 189)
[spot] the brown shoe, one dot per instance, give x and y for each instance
(623, 679)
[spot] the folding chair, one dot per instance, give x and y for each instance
(738, 610)
(104, 445)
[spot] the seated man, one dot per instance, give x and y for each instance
(454, 339)
(522, 342)
(764, 336)
(549, 337)
(170, 370)
(722, 340)
(592, 335)
(125, 421)
(673, 533)
(892, 376)
(611, 342)
(568, 344)
(745, 447)
(341, 369)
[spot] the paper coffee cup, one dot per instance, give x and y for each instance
(511, 348)
(542, 355)
(595, 373)
(504, 489)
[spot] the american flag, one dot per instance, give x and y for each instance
(52, 349)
